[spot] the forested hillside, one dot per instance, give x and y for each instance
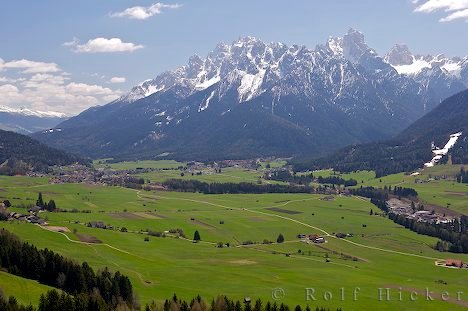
(20, 154)
(408, 150)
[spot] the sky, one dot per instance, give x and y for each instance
(67, 56)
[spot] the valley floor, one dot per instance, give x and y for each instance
(379, 255)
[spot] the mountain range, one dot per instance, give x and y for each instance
(250, 98)
(27, 121)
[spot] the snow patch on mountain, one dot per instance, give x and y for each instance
(416, 66)
(439, 153)
(207, 82)
(250, 85)
(205, 105)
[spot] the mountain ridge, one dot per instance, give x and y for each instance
(27, 121)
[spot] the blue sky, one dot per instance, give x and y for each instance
(64, 34)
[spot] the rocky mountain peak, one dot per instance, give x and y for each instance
(399, 54)
(354, 45)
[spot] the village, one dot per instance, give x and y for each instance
(409, 210)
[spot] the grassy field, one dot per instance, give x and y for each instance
(167, 169)
(380, 253)
(229, 174)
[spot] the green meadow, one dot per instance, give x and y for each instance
(434, 190)
(230, 174)
(380, 254)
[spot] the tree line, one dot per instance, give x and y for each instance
(232, 188)
(454, 234)
(55, 301)
(47, 267)
(223, 303)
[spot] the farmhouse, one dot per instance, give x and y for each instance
(36, 220)
(316, 238)
(96, 224)
(454, 263)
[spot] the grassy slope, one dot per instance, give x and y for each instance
(25, 291)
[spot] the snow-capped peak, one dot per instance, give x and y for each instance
(34, 113)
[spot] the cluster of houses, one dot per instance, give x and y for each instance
(315, 238)
(32, 217)
(404, 208)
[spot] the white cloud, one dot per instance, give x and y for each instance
(9, 94)
(73, 42)
(117, 80)
(29, 66)
(87, 89)
(462, 14)
(456, 9)
(10, 80)
(47, 90)
(103, 45)
(141, 12)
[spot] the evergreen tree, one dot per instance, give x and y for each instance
(51, 206)
(196, 236)
(40, 201)
(280, 238)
